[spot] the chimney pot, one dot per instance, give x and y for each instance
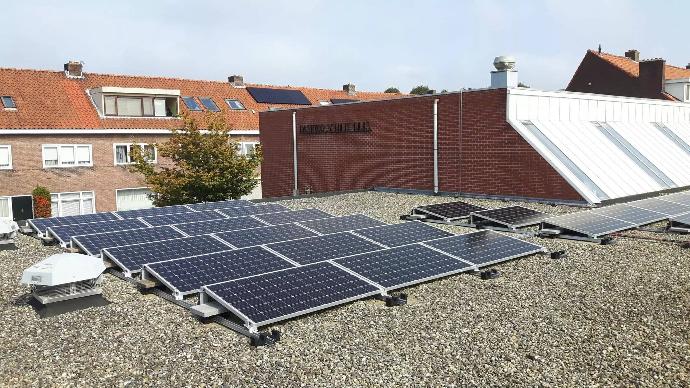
(350, 89)
(236, 81)
(73, 69)
(633, 54)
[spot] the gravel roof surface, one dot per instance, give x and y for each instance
(605, 315)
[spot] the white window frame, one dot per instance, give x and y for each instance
(130, 188)
(60, 163)
(325, 103)
(141, 98)
(129, 152)
(9, 148)
(81, 201)
(9, 203)
(243, 143)
(237, 101)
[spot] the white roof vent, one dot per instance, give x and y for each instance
(505, 76)
(504, 62)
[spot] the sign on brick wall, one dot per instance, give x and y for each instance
(315, 129)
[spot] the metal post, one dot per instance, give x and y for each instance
(436, 146)
(295, 191)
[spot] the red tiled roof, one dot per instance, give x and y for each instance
(633, 68)
(50, 100)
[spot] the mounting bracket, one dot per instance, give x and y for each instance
(489, 274)
(393, 300)
(264, 339)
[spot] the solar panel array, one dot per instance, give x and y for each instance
(449, 211)
(41, 225)
(92, 244)
(512, 217)
(178, 218)
(278, 96)
(252, 210)
(64, 233)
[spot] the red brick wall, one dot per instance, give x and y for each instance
(486, 157)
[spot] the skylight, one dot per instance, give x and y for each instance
(209, 104)
(234, 104)
(191, 103)
(8, 102)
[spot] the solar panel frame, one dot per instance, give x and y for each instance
(272, 278)
(63, 233)
(484, 239)
(278, 96)
(292, 216)
(449, 211)
(341, 224)
(660, 206)
(199, 228)
(182, 218)
(574, 222)
(309, 250)
(41, 225)
(87, 242)
(405, 233)
(252, 210)
(201, 206)
(513, 217)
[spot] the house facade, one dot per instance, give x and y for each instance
(72, 131)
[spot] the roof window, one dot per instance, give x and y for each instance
(191, 103)
(234, 104)
(8, 102)
(209, 104)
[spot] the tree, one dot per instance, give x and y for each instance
(203, 167)
(421, 89)
(392, 89)
(42, 204)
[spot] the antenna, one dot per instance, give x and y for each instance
(599, 48)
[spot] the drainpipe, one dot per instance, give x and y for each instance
(295, 191)
(436, 146)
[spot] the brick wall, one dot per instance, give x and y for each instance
(103, 178)
(485, 157)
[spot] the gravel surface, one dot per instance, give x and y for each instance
(605, 315)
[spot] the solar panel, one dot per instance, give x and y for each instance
(64, 233)
(178, 218)
(341, 224)
(187, 275)
(93, 243)
(511, 216)
(485, 247)
(680, 221)
(588, 223)
(322, 248)
(679, 198)
(278, 96)
(131, 257)
(449, 211)
(630, 214)
(221, 225)
(402, 234)
(201, 206)
(265, 235)
(154, 211)
(659, 206)
(41, 225)
(403, 266)
(252, 210)
(293, 216)
(276, 296)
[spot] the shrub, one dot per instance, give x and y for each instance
(42, 205)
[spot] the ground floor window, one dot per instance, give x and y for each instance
(133, 199)
(72, 204)
(6, 207)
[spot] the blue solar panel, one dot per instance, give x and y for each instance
(402, 234)
(170, 219)
(187, 275)
(93, 243)
(221, 225)
(131, 257)
(403, 266)
(278, 96)
(220, 204)
(485, 248)
(342, 224)
(293, 216)
(276, 296)
(154, 211)
(265, 235)
(41, 225)
(321, 248)
(252, 210)
(64, 233)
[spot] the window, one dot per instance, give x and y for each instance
(322, 103)
(5, 157)
(123, 153)
(8, 102)
(191, 103)
(209, 104)
(72, 204)
(6, 207)
(247, 148)
(138, 106)
(66, 155)
(133, 199)
(234, 104)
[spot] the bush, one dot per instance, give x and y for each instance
(42, 205)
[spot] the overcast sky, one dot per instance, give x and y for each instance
(374, 44)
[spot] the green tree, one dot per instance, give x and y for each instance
(421, 89)
(198, 166)
(392, 89)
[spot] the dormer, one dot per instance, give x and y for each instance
(678, 88)
(114, 101)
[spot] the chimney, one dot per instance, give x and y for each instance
(236, 81)
(350, 89)
(687, 66)
(633, 54)
(73, 69)
(652, 77)
(505, 76)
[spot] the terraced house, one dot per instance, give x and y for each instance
(73, 131)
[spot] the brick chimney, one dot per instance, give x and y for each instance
(350, 89)
(236, 81)
(652, 77)
(687, 66)
(73, 69)
(633, 54)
